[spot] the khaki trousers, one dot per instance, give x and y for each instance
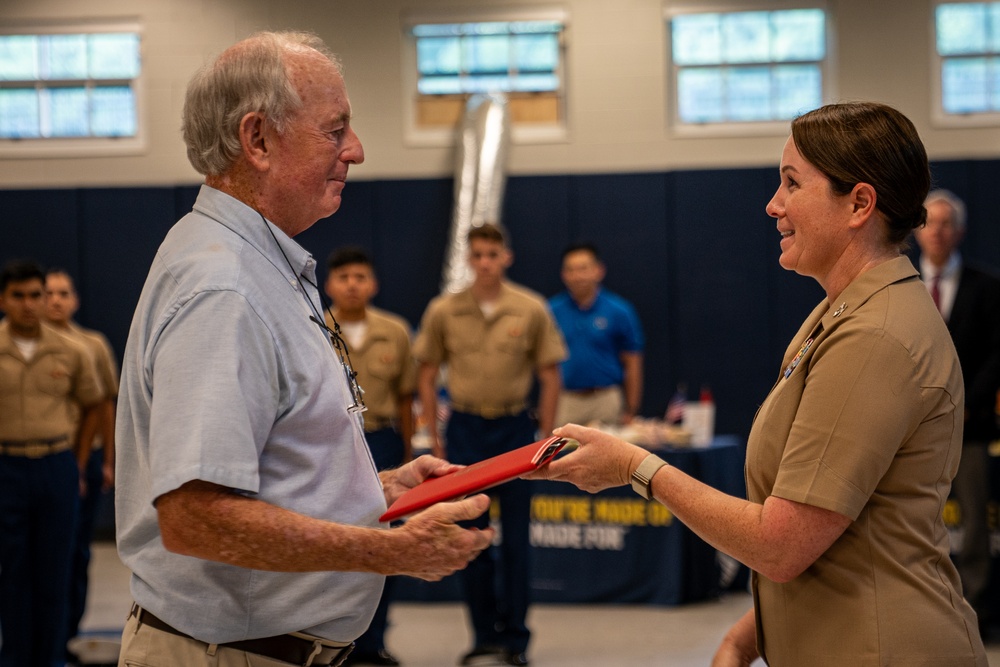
(603, 405)
(144, 646)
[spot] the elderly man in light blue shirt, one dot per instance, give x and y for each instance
(247, 501)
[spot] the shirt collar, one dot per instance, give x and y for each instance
(867, 285)
(950, 270)
(468, 302)
(250, 226)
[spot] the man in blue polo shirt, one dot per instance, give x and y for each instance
(602, 379)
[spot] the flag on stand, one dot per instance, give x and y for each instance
(675, 408)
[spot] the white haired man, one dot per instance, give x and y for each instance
(247, 502)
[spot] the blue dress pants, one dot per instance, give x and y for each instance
(496, 582)
(79, 579)
(387, 448)
(38, 513)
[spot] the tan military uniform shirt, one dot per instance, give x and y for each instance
(37, 397)
(384, 364)
(491, 360)
(867, 423)
(103, 359)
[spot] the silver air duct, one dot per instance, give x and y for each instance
(480, 180)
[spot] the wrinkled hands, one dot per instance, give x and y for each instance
(435, 546)
(601, 461)
(739, 646)
(397, 482)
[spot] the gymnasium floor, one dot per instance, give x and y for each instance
(435, 635)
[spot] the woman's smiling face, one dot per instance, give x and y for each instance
(812, 218)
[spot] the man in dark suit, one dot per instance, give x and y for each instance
(969, 301)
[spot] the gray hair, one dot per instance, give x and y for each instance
(952, 200)
(248, 77)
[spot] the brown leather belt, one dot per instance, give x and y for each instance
(34, 449)
(588, 391)
(286, 648)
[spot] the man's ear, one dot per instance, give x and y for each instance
(255, 140)
(863, 199)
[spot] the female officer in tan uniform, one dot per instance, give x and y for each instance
(851, 456)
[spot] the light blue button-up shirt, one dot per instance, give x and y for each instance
(225, 379)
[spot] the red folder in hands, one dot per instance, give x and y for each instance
(475, 477)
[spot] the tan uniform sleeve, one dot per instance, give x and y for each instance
(87, 388)
(429, 344)
(859, 402)
(550, 348)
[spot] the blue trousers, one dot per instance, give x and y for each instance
(496, 582)
(79, 579)
(387, 451)
(38, 513)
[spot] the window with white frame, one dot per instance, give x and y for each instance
(522, 56)
(967, 36)
(746, 67)
(68, 89)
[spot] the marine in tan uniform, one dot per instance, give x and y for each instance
(851, 455)
(495, 338)
(43, 375)
(98, 436)
(379, 345)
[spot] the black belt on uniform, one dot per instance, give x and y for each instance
(489, 411)
(286, 648)
(35, 449)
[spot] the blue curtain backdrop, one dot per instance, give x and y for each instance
(693, 250)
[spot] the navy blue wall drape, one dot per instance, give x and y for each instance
(693, 250)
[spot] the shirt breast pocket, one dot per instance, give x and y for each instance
(513, 338)
(53, 377)
(383, 362)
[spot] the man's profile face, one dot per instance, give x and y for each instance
(582, 273)
(939, 237)
(61, 301)
(489, 260)
(22, 302)
(308, 162)
(351, 286)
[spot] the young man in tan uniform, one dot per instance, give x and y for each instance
(98, 470)
(43, 377)
(495, 338)
(379, 344)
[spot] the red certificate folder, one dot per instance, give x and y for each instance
(475, 477)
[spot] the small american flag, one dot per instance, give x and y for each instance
(675, 408)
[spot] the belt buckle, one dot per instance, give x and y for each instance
(36, 450)
(343, 655)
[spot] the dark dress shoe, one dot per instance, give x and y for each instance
(515, 658)
(484, 655)
(382, 657)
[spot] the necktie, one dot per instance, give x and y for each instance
(935, 291)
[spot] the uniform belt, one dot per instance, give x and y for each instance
(374, 423)
(34, 449)
(489, 411)
(588, 391)
(293, 649)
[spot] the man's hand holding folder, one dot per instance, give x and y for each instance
(450, 482)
